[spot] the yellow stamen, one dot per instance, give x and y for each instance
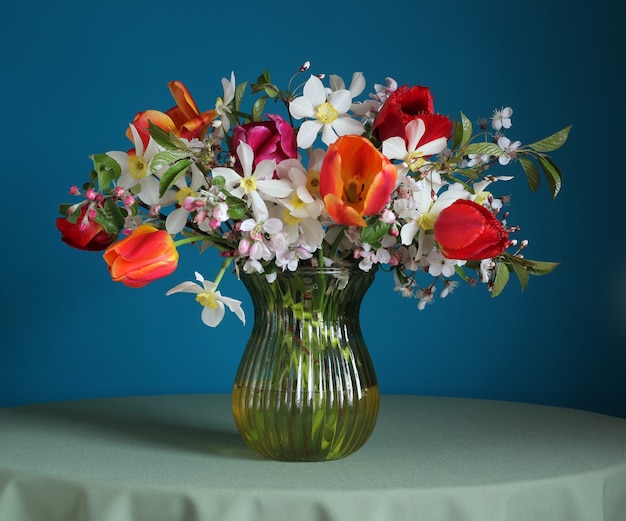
(183, 193)
(427, 221)
(326, 113)
(296, 202)
(137, 167)
(207, 299)
(248, 184)
(415, 160)
(289, 219)
(313, 183)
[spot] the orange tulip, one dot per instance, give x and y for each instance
(145, 255)
(184, 119)
(356, 180)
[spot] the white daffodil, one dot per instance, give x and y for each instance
(135, 169)
(177, 219)
(327, 113)
(253, 184)
(412, 151)
(222, 104)
(212, 301)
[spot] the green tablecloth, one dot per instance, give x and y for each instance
(180, 458)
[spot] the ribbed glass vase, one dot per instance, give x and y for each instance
(306, 389)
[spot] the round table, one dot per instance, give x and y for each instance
(180, 458)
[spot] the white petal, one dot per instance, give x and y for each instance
(414, 131)
(341, 100)
(347, 125)
(314, 91)
(395, 148)
(408, 232)
(357, 86)
(213, 316)
(329, 136)
(273, 225)
(274, 187)
(185, 287)
(308, 133)
(301, 107)
(234, 306)
(176, 221)
(433, 147)
(246, 157)
(265, 169)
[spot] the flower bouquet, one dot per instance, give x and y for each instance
(329, 179)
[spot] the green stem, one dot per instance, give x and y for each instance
(220, 274)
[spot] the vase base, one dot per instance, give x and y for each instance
(290, 426)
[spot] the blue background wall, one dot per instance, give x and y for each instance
(74, 76)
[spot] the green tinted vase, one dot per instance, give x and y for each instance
(306, 389)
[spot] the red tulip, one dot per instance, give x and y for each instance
(85, 233)
(184, 119)
(403, 106)
(356, 180)
(145, 255)
(468, 231)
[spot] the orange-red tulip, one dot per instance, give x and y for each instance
(356, 180)
(466, 230)
(145, 255)
(184, 119)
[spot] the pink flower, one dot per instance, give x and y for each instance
(273, 139)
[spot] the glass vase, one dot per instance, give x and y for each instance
(306, 389)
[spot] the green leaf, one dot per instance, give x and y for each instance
(457, 134)
(490, 149)
(107, 169)
(239, 92)
(236, 207)
(162, 137)
(532, 172)
(110, 217)
(467, 130)
(552, 173)
(552, 142)
(374, 232)
(257, 108)
(172, 175)
(522, 273)
(501, 279)
(539, 267)
(165, 159)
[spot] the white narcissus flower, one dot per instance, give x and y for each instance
(327, 112)
(212, 301)
(412, 151)
(221, 105)
(254, 183)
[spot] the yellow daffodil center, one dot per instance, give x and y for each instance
(289, 219)
(296, 202)
(184, 193)
(248, 184)
(326, 113)
(427, 221)
(481, 197)
(415, 160)
(207, 299)
(137, 167)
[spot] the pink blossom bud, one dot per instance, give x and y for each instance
(129, 200)
(189, 203)
(91, 194)
(118, 192)
(74, 190)
(244, 246)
